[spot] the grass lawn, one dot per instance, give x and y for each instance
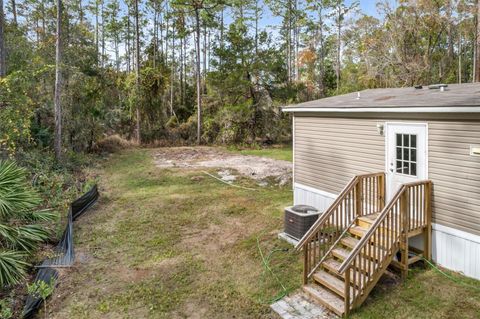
(174, 243)
(283, 153)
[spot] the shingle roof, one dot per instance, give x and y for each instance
(455, 95)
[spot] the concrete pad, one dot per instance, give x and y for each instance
(300, 306)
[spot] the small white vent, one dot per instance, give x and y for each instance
(475, 150)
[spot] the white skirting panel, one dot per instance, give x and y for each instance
(456, 250)
(306, 195)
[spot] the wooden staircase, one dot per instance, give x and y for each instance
(351, 245)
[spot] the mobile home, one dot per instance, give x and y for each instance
(407, 156)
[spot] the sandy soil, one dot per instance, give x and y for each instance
(258, 168)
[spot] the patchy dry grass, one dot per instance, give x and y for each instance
(426, 294)
(284, 153)
(173, 243)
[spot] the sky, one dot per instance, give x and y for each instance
(368, 7)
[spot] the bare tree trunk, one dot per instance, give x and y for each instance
(222, 28)
(167, 21)
(339, 44)
(256, 26)
(117, 52)
(96, 31)
(128, 46)
(80, 9)
(289, 42)
(449, 31)
(460, 58)
(58, 85)
(198, 76)
(204, 58)
(103, 32)
(155, 35)
(14, 11)
(321, 54)
(3, 70)
(161, 36)
(184, 59)
(137, 69)
(477, 42)
(297, 42)
(172, 83)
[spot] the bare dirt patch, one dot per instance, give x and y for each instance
(255, 167)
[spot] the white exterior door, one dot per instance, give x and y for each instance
(406, 155)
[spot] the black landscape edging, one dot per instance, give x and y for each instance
(65, 252)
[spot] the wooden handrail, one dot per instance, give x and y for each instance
(321, 220)
(367, 237)
(363, 195)
(331, 248)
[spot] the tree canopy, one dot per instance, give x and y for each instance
(160, 67)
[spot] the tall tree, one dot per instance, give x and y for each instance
(197, 7)
(477, 42)
(341, 10)
(2, 41)
(13, 3)
(114, 28)
(58, 84)
(137, 68)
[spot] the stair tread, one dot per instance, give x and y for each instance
(341, 253)
(370, 217)
(326, 298)
(357, 230)
(332, 264)
(349, 241)
(330, 281)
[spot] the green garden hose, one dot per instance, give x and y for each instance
(266, 265)
(447, 275)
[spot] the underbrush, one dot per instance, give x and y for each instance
(58, 185)
(112, 144)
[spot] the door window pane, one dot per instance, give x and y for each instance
(406, 154)
(399, 139)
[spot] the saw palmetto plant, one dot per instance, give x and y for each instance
(22, 226)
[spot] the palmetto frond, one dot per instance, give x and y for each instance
(19, 235)
(43, 215)
(15, 195)
(12, 267)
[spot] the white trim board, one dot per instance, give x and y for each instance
(314, 190)
(409, 109)
(293, 152)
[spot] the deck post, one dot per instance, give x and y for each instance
(404, 222)
(382, 191)
(305, 264)
(347, 292)
(358, 197)
(427, 239)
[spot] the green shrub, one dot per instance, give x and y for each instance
(21, 229)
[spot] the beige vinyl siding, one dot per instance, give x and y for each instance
(329, 151)
(455, 174)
